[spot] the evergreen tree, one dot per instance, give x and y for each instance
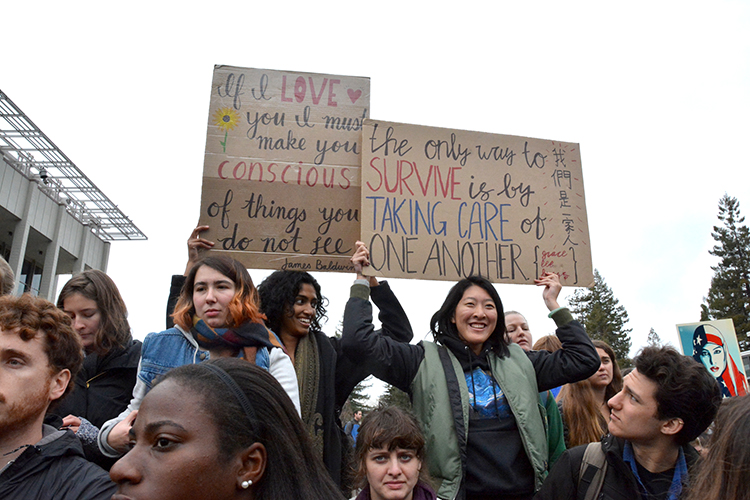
(395, 397)
(603, 317)
(653, 338)
(729, 293)
(357, 400)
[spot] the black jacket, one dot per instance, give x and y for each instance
(396, 362)
(619, 482)
(104, 386)
(55, 468)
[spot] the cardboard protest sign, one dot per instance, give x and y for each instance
(445, 204)
(714, 343)
(281, 171)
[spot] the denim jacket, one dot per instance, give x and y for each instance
(174, 347)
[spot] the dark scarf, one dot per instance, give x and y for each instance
(421, 491)
(307, 367)
(248, 336)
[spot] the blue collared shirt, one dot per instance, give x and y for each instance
(680, 472)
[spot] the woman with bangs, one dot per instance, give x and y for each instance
(216, 315)
(389, 455)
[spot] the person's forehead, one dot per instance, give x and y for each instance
(10, 339)
(170, 400)
(641, 384)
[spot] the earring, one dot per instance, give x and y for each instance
(247, 484)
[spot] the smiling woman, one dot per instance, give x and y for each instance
(294, 307)
(476, 395)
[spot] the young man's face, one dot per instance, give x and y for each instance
(27, 384)
(634, 409)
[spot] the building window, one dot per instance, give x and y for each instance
(31, 277)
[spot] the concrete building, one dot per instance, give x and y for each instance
(53, 219)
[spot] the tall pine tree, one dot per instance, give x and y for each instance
(729, 293)
(603, 317)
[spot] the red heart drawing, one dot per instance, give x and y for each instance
(354, 94)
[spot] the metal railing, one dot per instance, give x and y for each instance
(27, 150)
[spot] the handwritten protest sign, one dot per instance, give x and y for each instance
(282, 167)
(714, 343)
(445, 204)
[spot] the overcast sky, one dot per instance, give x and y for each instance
(657, 94)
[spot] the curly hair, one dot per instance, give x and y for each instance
(388, 427)
(279, 291)
(31, 316)
(685, 389)
(293, 469)
(724, 471)
(441, 324)
(114, 329)
(243, 306)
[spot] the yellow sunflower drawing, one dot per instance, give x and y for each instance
(226, 119)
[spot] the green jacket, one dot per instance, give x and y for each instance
(432, 404)
(555, 431)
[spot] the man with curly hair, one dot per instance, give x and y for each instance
(39, 355)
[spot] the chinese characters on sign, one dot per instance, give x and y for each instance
(444, 204)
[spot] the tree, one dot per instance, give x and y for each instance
(395, 397)
(357, 400)
(653, 338)
(603, 317)
(729, 293)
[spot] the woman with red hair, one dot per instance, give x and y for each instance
(216, 315)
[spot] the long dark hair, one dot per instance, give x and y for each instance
(114, 329)
(293, 469)
(244, 305)
(441, 325)
(278, 293)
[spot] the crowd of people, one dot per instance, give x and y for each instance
(241, 397)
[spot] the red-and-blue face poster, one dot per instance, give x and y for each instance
(714, 343)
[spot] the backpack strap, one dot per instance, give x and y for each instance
(591, 475)
(454, 394)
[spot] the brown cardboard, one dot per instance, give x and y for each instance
(282, 167)
(444, 204)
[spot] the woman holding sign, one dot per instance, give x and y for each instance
(294, 308)
(476, 395)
